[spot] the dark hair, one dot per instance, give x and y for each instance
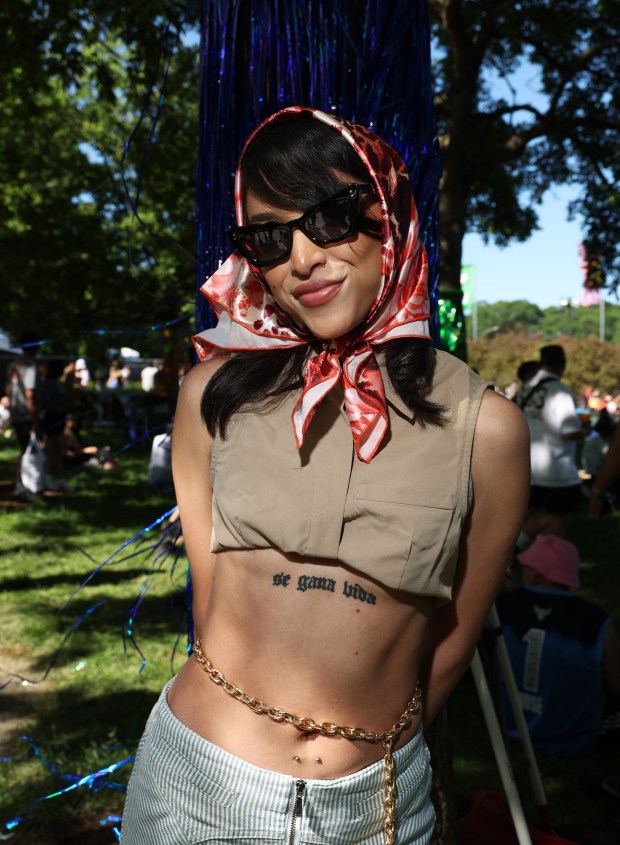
(605, 425)
(293, 164)
(553, 355)
(527, 370)
(258, 379)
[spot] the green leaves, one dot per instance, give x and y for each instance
(74, 81)
(528, 96)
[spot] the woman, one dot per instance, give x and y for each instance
(351, 469)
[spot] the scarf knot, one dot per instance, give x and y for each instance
(356, 367)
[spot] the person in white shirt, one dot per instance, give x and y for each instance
(555, 428)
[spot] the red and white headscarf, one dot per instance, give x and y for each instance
(249, 317)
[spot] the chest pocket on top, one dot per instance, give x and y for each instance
(402, 532)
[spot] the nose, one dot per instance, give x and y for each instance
(305, 255)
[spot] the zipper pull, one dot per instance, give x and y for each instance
(300, 785)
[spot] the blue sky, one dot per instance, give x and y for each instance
(544, 269)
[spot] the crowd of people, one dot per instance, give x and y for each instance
(564, 651)
(50, 403)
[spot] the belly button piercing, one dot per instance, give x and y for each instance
(317, 760)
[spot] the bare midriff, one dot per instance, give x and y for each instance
(310, 637)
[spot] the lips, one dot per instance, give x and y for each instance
(316, 292)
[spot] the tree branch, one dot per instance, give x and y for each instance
(513, 147)
(504, 110)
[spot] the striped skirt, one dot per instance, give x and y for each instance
(185, 790)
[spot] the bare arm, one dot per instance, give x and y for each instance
(29, 396)
(500, 475)
(191, 456)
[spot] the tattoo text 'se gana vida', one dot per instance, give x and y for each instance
(327, 585)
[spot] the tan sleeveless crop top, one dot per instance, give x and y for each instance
(397, 519)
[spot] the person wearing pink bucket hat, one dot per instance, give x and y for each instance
(555, 559)
(564, 652)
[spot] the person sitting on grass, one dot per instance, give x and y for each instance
(564, 652)
(75, 454)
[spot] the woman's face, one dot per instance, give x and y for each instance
(326, 289)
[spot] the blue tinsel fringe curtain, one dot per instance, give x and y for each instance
(367, 61)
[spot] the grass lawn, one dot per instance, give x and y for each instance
(89, 712)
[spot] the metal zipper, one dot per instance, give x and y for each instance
(300, 785)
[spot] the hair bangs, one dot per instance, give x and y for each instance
(293, 166)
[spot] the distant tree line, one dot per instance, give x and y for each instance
(497, 357)
(548, 323)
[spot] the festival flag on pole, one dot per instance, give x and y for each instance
(593, 275)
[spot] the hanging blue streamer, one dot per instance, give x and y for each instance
(113, 820)
(368, 62)
(168, 547)
(94, 781)
(114, 554)
(156, 327)
(146, 436)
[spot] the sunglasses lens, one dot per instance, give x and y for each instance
(266, 246)
(332, 221)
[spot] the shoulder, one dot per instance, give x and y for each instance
(500, 464)
(188, 420)
(195, 381)
(501, 424)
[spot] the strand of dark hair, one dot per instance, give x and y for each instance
(257, 380)
(410, 364)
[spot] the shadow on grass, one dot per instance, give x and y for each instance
(581, 809)
(32, 582)
(73, 724)
(162, 618)
(99, 512)
(78, 733)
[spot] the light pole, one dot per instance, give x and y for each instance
(569, 304)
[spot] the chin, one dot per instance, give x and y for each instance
(327, 332)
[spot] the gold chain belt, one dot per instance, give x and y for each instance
(305, 723)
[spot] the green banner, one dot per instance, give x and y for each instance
(467, 286)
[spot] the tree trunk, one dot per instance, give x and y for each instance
(454, 183)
